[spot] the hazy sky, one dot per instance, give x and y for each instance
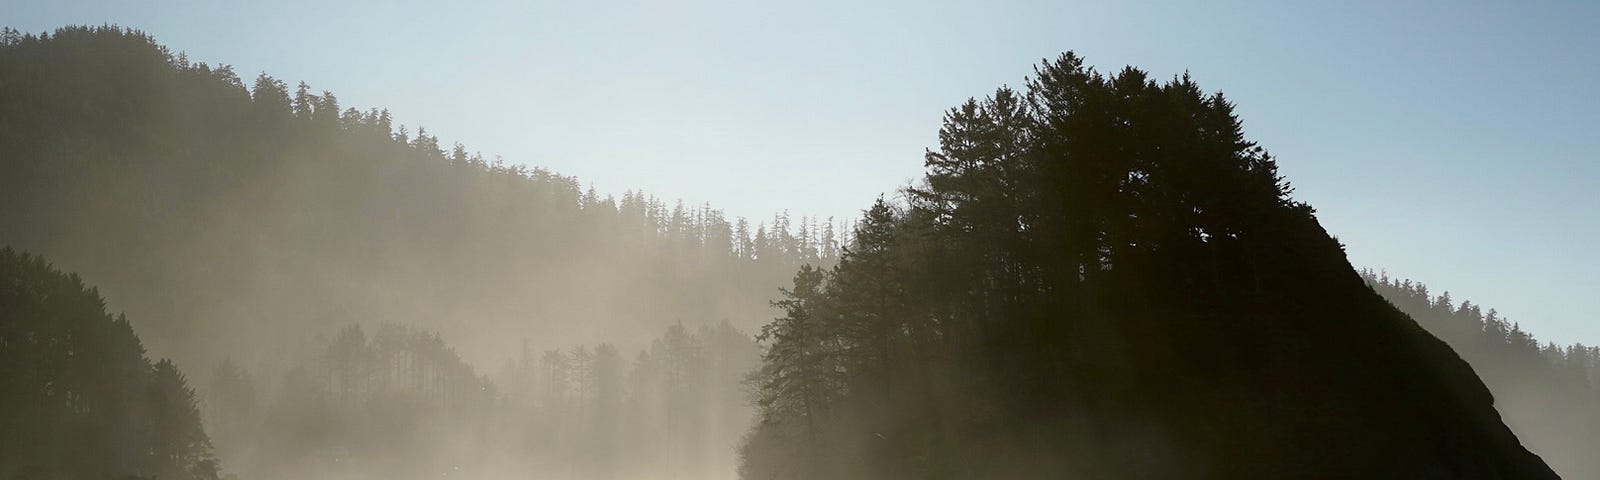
(1447, 142)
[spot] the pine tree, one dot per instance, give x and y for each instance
(304, 101)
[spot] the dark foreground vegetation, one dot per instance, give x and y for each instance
(1099, 277)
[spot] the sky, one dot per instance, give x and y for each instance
(1454, 143)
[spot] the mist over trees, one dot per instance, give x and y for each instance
(399, 403)
(84, 402)
(246, 221)
(1549, 394)
(260, 213)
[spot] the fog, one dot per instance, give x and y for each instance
(1099, 277)
(254, 229)
(497, 267)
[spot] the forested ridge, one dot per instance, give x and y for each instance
(258, 215)
(1099, 276)
(248, 226)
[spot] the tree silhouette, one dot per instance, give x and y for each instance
(1100, 276)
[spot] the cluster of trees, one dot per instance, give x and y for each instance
(396, 404)
(400, 403)
(675, 410)
(1099, 276)
(1548, 394)
(78, 397)
(257, 212)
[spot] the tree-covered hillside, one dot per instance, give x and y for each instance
(1101, 277)
(244, 217)
(78, 397)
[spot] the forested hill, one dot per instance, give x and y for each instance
(1549, 394)
(1101, 277)
(248, 216)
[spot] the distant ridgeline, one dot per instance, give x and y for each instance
(247, 220)
(78, 398)
(1549, 395)
(1100, 277)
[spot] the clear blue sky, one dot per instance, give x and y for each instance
(1451, 142)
